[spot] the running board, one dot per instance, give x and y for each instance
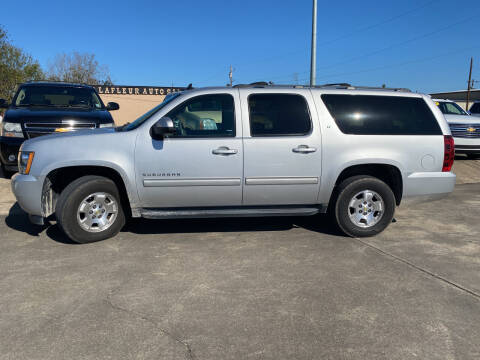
(228, 212)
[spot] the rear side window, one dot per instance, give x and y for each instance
(278, 115)
(381, 115)
(475, 108)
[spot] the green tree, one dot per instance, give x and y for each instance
(16, 66)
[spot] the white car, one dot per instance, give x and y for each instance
(465, 128)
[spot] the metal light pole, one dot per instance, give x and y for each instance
(313, 60)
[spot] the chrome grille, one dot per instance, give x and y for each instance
(468, 131)
(38, 129)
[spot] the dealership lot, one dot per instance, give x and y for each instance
(248, 288)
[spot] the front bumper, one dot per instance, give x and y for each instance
(467, 146)
(28, 191)
(467, 149)
(8, 147)
(428, 186)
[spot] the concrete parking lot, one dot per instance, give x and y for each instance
(288, 288)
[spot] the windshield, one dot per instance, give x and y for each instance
(58, 96)
(450, 108)
(150, 113)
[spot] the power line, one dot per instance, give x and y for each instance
(366, 28)
(403, 42)
(428, 34)
(395, 65)
(363, 29)
(370, 27)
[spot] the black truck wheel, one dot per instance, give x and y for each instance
(89, 209)
(364, 206)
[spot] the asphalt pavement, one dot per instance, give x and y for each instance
(285, 288)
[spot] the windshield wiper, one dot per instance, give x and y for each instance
(25, 105)
(72, 105)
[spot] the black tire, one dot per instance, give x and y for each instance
(70, 199)
(347, 190)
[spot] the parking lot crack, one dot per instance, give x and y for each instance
(188, 349)
(419, 268)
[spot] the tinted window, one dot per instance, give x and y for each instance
(475, 108)
(278, 115)
(381, 115)
(204, 116)
(210, 104)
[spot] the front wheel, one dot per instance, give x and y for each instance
(364, 206)
(89, 209)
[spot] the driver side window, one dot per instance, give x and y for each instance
(204, 116)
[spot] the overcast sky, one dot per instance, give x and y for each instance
(423, 45)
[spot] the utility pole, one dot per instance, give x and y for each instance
(313, 60)
(230, 75)
(469, 83)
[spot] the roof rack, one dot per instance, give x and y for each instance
(55, 82)
(263, 84)
(259, 84)
(335, 85)
(355, 87)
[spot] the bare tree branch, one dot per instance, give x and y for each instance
(78, 68)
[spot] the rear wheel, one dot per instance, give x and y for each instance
(364, 206)
(89, 209)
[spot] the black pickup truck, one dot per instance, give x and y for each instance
(42, 108)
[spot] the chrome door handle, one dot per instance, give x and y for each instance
(224, 150)
(305, 149)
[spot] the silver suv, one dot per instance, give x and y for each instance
(244, 151)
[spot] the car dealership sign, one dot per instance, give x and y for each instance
(135, 90)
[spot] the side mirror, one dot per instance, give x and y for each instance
(112, 106)
(161, 128)
(3, 103)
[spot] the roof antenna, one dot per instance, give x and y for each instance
(189, 87)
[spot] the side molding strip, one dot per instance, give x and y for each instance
(229, 212)
(281, 180)
(192, 182)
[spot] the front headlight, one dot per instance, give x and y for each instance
(11, 130)
(25, 160)
(107, 125)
